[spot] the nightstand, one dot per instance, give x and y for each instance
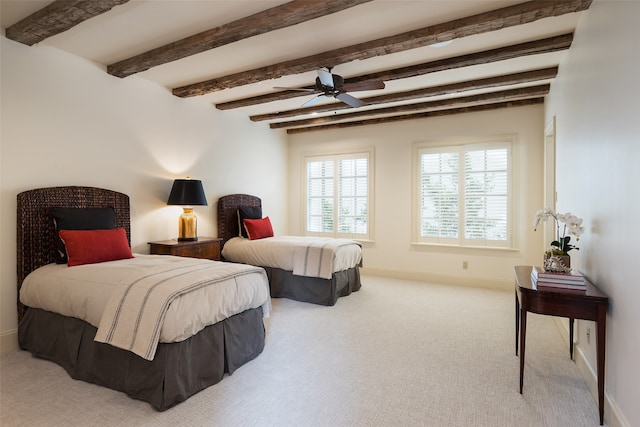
(204, 247)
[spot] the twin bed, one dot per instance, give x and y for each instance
(194, 357)
(313, 270)
(169, 345)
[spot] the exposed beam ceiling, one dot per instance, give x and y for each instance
(492, 97)
(423, 115)
(220, 51)
(473, 25)
(448, 89)
(551, 44)
(292, 13)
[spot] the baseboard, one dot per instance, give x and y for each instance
(440, 279)
(9, 341)
(613, 417)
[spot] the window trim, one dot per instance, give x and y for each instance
(367, 152)
(461, 146)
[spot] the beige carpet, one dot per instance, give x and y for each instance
(396, 353)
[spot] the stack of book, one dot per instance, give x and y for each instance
(572, 280)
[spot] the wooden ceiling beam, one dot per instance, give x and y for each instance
(547, 45)
(477, 24)
(448, 89)
(423, 115)
(57, 17)
(463, 101)
(285, 15)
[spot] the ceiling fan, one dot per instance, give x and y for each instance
(333, 85)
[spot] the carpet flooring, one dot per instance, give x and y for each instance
(396, 353)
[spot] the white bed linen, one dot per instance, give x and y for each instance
(83, 292)
(280, 251)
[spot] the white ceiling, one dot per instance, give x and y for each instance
(140, 25)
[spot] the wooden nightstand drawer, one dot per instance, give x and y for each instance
(204, 247)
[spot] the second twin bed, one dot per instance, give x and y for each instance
(309, 269)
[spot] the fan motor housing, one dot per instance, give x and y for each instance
(338, 81)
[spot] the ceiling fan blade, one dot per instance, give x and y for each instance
(326, 78)
(366, 85)
(299, 89)
(312, 101)
(350, 100)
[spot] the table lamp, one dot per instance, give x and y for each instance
(187, 193)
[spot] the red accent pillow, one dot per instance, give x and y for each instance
(93, 246)
(258, 228)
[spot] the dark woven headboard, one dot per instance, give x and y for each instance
(228, 213)
(36, 232)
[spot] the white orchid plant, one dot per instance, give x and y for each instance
(567, 225)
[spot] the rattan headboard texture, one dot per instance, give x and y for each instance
(36, 233)
(228, 213)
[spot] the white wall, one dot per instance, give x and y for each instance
(391, 253)
(65, 121)
(596, 101)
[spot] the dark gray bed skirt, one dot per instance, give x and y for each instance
(177, 371)
(284, 284)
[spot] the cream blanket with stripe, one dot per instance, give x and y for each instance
(316, 258)
(135, 312)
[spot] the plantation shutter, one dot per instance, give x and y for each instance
(464, 195)
(485, 195)
(338, 195)
(320, 185)
(352, 195)
(439, 196)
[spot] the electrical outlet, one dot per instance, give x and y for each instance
(588, 335)
(465, 265)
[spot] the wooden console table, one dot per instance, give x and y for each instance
(587, 305)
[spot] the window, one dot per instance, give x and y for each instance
(464, 195)
(338, 190)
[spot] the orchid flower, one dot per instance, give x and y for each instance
(571, 226)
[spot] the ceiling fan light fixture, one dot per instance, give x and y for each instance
(331, 85)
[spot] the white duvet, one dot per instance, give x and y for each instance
(84, 292)
(303, 255)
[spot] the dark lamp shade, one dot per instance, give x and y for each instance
(187, 192)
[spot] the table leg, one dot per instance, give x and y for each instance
(571, 338)
(517, 321)
(601, 347)
(523, 335)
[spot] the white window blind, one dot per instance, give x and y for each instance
(464, 195)
(320, 203)
(338, 194)
(439, 195)
(486, 195)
